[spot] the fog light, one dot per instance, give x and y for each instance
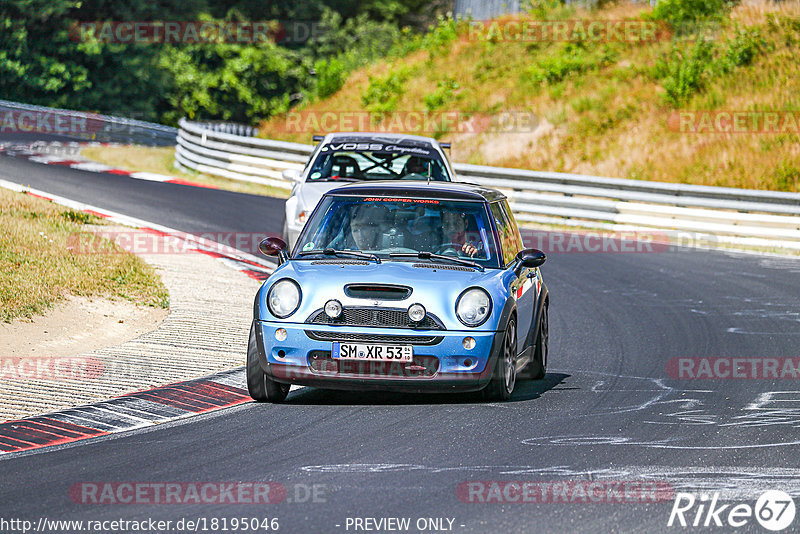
(333, 309)
(469, 343)
(280, 334)
(416, 312)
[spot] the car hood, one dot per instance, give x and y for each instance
(310, 193)
(437, 288)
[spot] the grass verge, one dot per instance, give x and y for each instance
(160, 160)
(37, 267)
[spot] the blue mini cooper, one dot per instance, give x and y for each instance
(401, 286)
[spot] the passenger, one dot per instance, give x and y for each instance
(454, 229)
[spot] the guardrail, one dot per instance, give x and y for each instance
(737, 216)
(77, 125)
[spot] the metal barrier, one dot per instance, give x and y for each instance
(738, 216)
(77, 125)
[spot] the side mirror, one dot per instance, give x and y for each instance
(531, 258)
(292, 175)
(272, 246)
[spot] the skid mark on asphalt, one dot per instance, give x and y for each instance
(732, 483)
(129, 412)
(694, 408)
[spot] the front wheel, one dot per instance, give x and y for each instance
(538, 366)
(502, 384)
(261, 387)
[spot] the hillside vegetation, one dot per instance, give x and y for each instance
(614, 108)
(85, 55)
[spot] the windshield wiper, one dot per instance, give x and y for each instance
(439, 257)
(346, 179)
(351, 253)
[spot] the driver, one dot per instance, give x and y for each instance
(416, 165)
(366, 224)
(454, 229)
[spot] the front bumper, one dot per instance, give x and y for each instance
(442, 364)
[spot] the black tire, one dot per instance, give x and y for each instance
(504, 377)
(259, 385)
(538, 367)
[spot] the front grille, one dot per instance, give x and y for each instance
(442, 267)
(379, 317)
(374, 338)
(422, 367)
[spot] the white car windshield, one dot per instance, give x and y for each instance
(383, 226)
(356, 165)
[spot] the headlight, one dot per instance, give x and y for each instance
(283, 298)
(473, 307)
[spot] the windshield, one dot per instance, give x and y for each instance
(381, 162)
(384, 226)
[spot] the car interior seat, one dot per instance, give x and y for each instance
(346, 167)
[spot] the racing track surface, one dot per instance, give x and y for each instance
(607, 410)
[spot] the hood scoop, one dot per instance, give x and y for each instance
(442, 267)
(339, 262)
(377, 291)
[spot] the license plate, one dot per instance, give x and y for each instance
(374, 353)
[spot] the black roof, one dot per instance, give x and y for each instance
(438, 190)
(397, 138)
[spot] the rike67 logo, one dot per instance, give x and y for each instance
(774, 510)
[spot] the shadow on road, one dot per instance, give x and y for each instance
(525, 390)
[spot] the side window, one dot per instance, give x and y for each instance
(508, 241)
(514, 227)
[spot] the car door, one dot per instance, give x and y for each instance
(511, 245)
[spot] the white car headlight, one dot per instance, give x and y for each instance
(283, 298)
(473, 307)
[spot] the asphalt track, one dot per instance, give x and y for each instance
(607, 411)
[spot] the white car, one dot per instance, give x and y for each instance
(353, 157)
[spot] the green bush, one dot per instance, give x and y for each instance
(441, 36)
(383, 94)
(571, 58)
(787, 177)
(742, 50)
(331, 75)
(681, 12)
(444, 94)
(684, 72)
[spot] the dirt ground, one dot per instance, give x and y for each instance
(77, 325)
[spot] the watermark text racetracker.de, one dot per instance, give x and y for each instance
(766, 122)
(199, 493)
(734, 368)
(152, 242)
(629, 31)
(143, 241)
(564, 492)
(409, 121)
(147, 525)
(196, 31)
(149, 242)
